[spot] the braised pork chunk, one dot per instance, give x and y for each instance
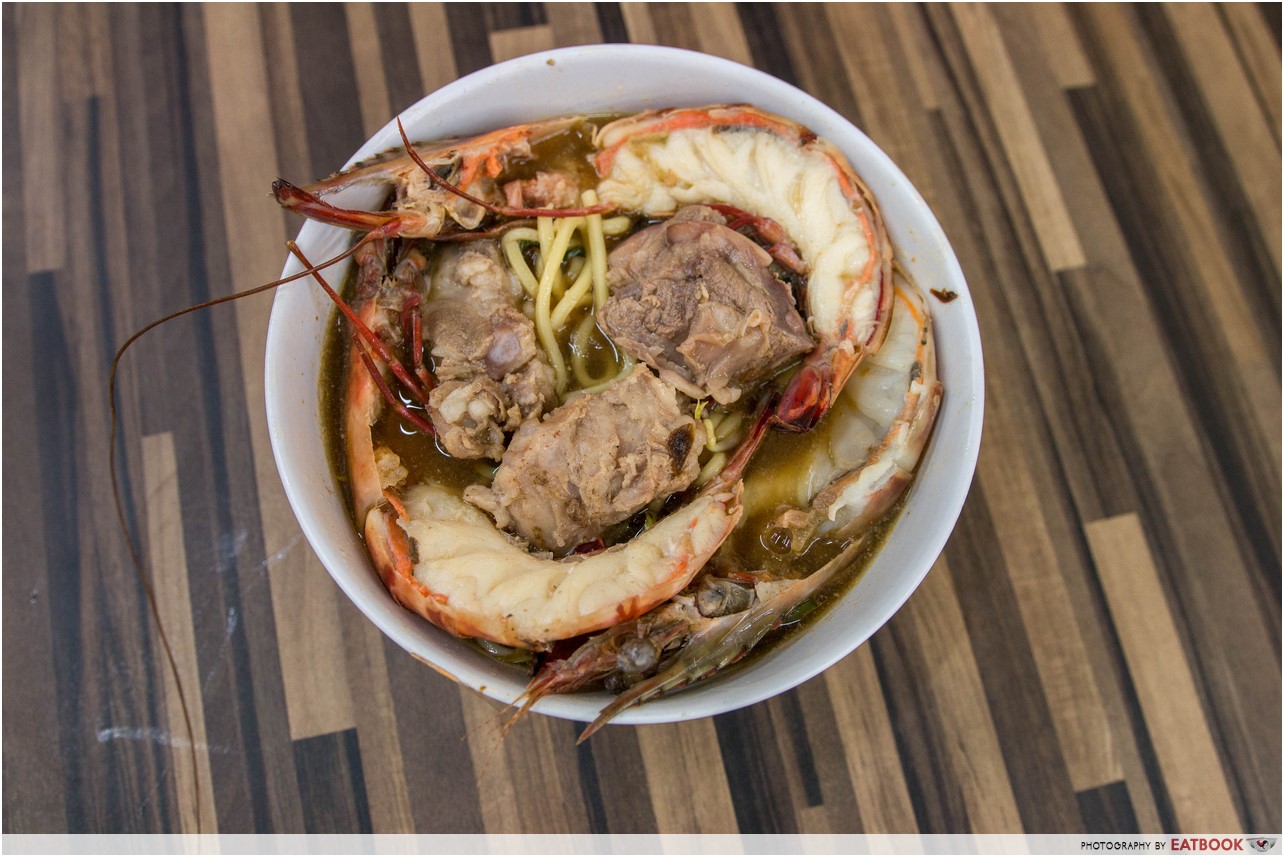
(593, 462)
(698, 302)
(492, 375)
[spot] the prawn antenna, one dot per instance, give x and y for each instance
(367, 340)
(135, 555)
(149, 592)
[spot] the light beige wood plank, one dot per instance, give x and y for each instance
(1260, 57)
(432, 44)
(686, 753)
(1192, 773)
(289, 123)
(882, 89)
(114, 175)
(44, 213)
(1060, 43)
(573, 24)
(375, 715)
(933, 621)
(519, 41)
(496, 790)
(869, 746)
(174, 605)
(367, 64)
(523, 782)
(1019, 137)
(310, 643)
(1253, 151)
(813, 821)
(1047, 611)
(637, 21)
(718, 29)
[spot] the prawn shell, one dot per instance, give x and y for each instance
(472, 580)
(862, 497)
(481, 155)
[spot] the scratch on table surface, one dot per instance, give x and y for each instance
(233, 620)
(280, 554)
(229, 548)
(154, 735)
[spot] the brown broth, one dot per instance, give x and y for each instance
(330, 387)
(569, 152)
(752, 542)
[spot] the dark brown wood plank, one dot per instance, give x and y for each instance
(401, 69)
(1017, 701)
(330, 784)
(1106, 809)
(438, 769)
(32, 754)
(754, 769)
(611, 788)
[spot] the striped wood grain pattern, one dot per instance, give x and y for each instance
(1165, 688)
(173, 600)
(1098, 649)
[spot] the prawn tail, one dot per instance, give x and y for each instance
(811, 392)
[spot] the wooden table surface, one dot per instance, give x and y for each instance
(1098, 649)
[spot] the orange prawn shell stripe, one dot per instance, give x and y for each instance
(677, 119)
(390, 552)
(485, 151)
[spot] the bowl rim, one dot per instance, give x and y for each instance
(690, 704)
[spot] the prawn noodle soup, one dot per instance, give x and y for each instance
(629, 398)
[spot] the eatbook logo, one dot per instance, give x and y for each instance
(1261, 845)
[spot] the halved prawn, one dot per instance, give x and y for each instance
(885, 415)
(444, 559)
(776, 170)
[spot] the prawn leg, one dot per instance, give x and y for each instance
(715, 644)
(811, 392)
(632, 648)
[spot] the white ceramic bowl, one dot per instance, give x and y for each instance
(628, 78)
